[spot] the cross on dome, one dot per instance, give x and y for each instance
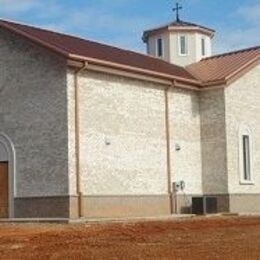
(177, 9)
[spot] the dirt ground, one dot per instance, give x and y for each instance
(196, 238)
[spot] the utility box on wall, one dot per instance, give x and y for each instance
(204, 205)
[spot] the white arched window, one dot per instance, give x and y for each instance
(245, 155)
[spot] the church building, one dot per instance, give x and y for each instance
(91, 130)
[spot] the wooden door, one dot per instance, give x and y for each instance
(3, 190)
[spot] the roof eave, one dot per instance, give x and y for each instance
(148, 33)
(35, 39)
(228, 80)
(193, 82)
(243, 69)
(210, 33)
(68, 55)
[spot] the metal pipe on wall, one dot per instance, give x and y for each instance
(77, 139)
(168, 147)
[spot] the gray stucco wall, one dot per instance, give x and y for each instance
(213, 142)
(33, 114)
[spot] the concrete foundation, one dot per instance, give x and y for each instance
(127, 206)
(42, 207)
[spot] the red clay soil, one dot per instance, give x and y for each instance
(197, 238)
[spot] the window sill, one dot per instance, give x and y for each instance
(247, 183)
(183, 55)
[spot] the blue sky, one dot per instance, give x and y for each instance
(121, 22)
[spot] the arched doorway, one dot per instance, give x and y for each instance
(7, 177)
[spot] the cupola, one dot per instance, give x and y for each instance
(179, 42)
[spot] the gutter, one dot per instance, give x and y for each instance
(77, 140)
(168, 147)
(193, 82)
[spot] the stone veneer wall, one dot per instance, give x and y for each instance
(122, 136)
(123, 144)
(33, 114)
(242, 100)
(184, 113)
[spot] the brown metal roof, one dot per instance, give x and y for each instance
(210, 71)
(71, 45)
(222, 67)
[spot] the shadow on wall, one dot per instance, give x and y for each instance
(213, 142)
(195, 105)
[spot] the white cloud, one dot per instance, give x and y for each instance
(96, 21)
(101, 22)
(117, 29)
(250, 13)
(237, 39)
(234, 36)
(15, 6)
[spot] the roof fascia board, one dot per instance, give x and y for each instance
(175, 28)
(214, 83)
(118, 72)
(219, 86)
(191, 29)
(132, 75)
(233, 76)
(133, 69)
(243, 70)
(179, 84)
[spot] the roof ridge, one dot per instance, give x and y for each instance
(84, 39)
(232, 52)
(181, 23)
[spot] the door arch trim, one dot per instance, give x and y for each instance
(8, 144)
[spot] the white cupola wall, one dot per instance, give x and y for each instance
(179, 42)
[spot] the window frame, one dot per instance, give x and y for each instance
(186, 45)
(203, 47)
(157, 47)
(245, 132)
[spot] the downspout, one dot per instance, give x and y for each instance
(168, 148)
(77, 140)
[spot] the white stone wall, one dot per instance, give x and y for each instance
(33, 114)
(123, 136)
(242, 100)
(185, 132)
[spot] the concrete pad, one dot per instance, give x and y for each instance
(35, 220)
(93, 220)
